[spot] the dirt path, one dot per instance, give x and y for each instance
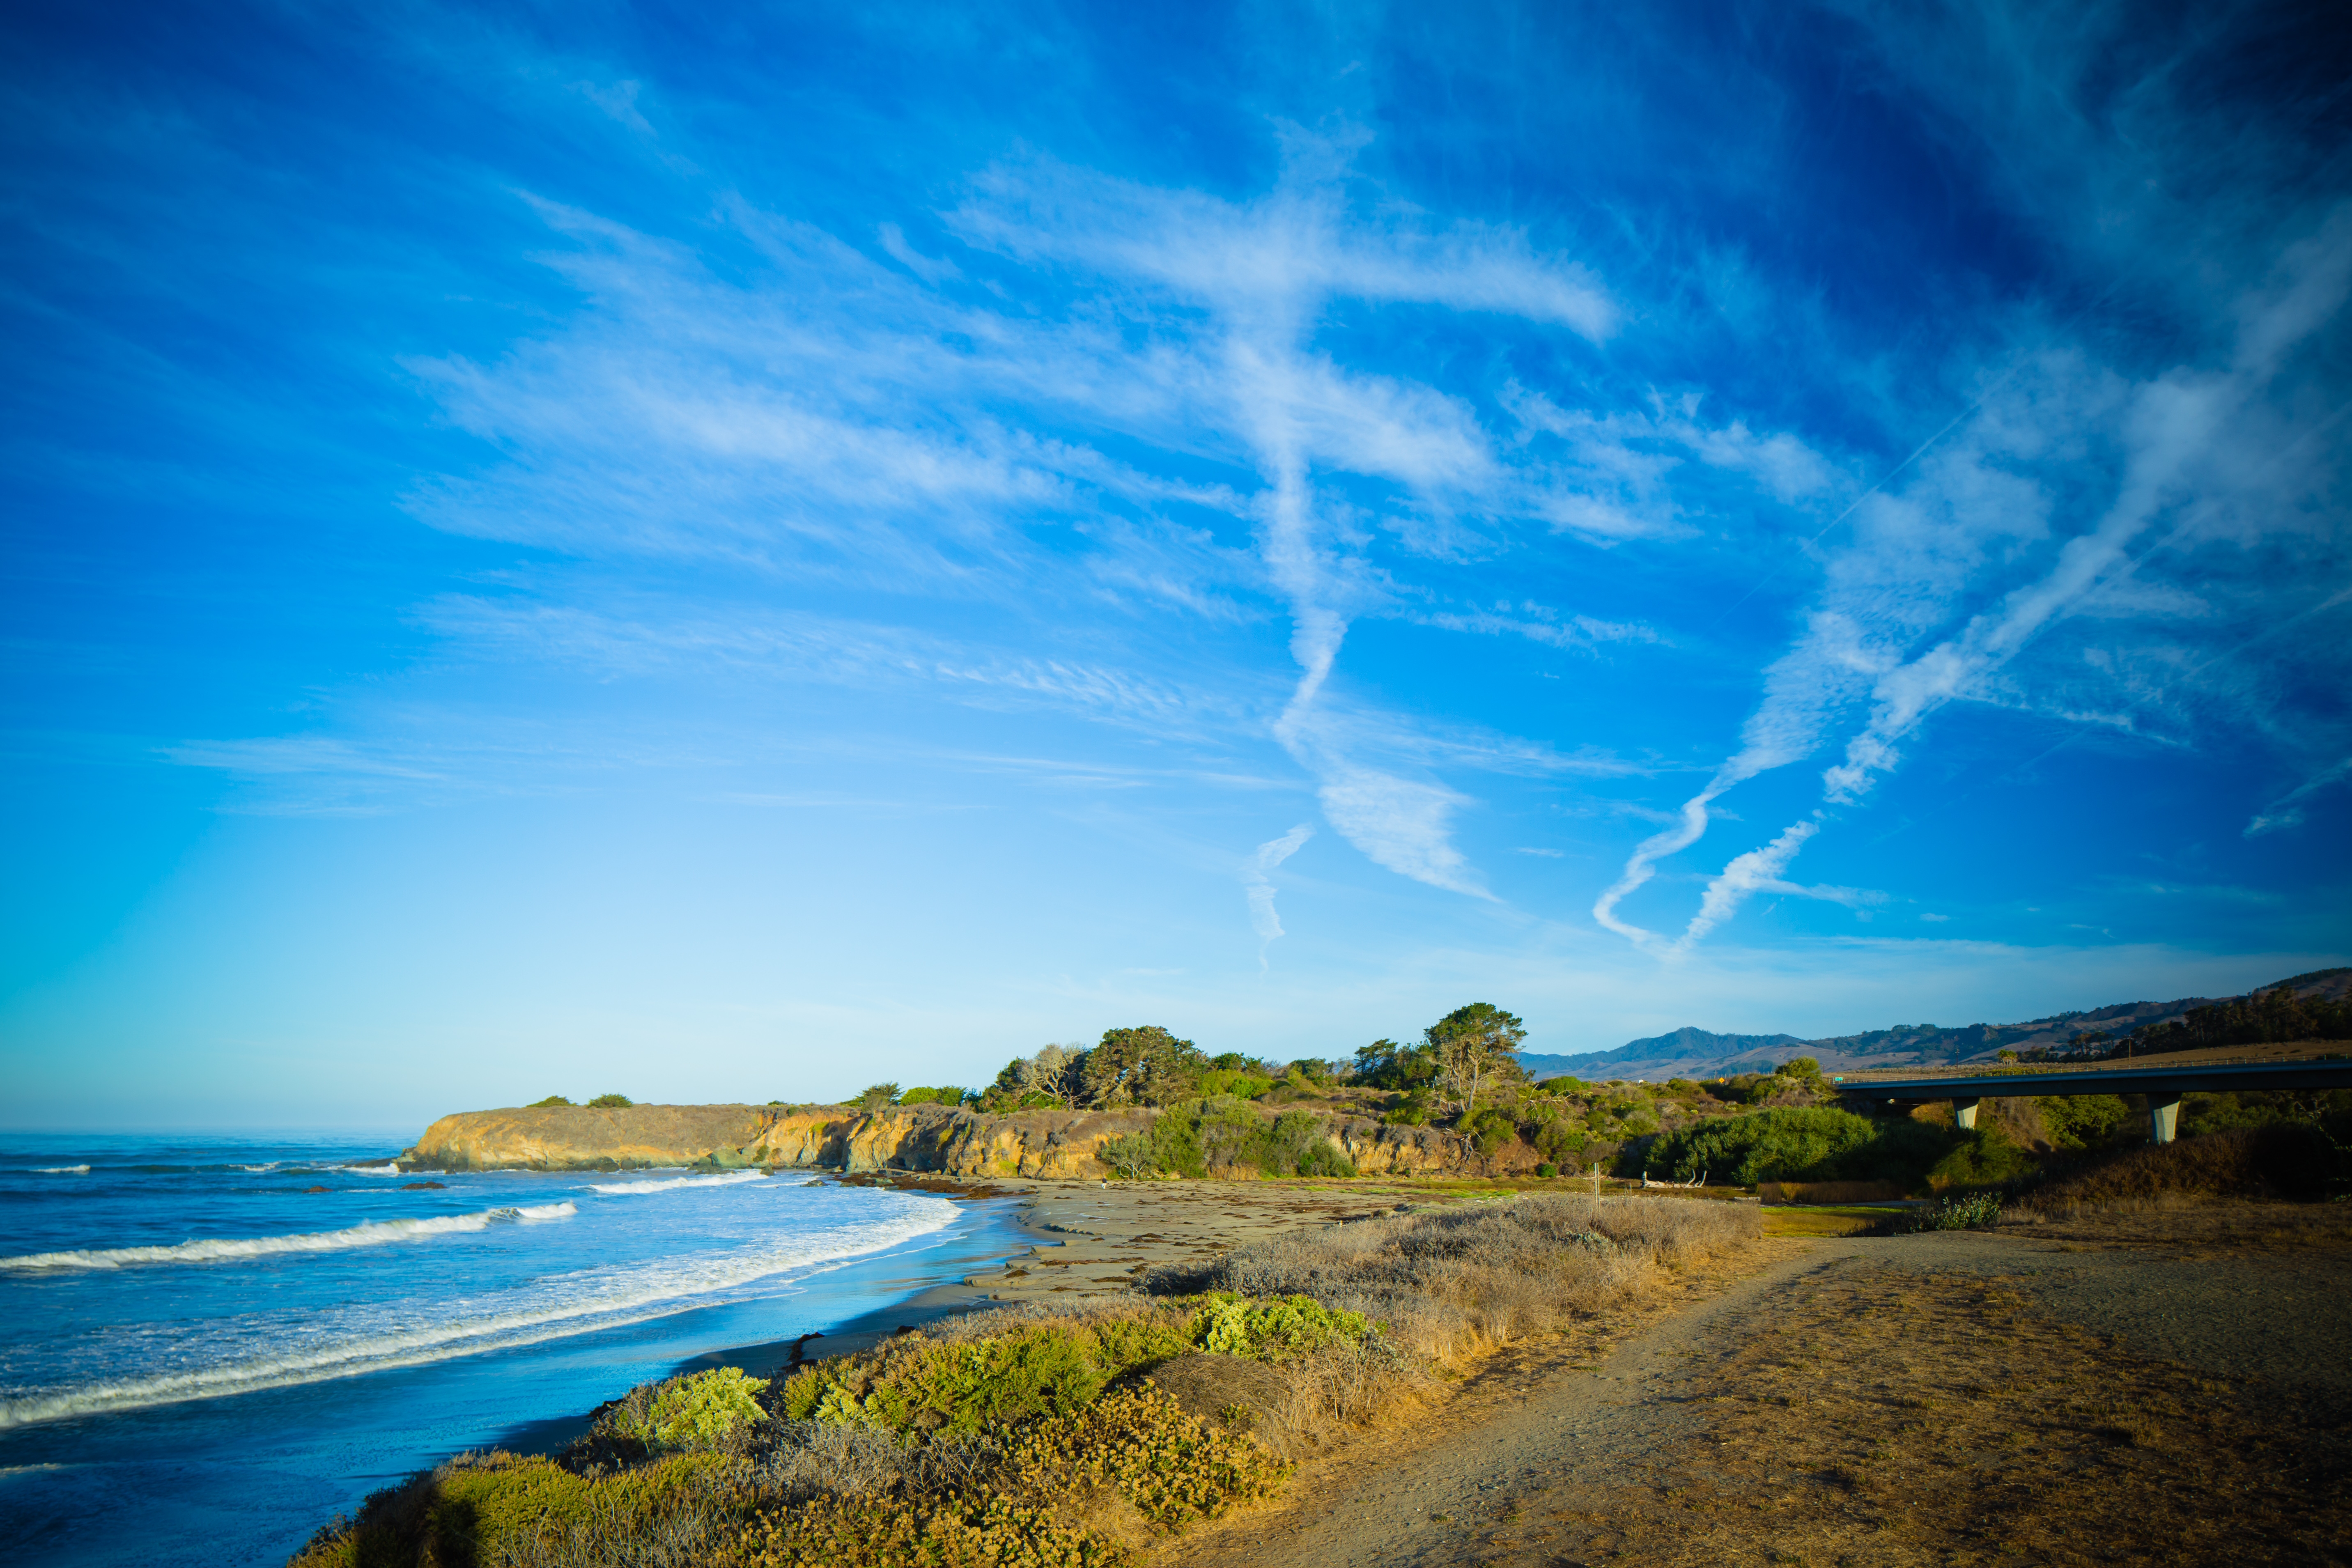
(1538, 1442)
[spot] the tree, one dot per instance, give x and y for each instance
(1474, 1044)
(1385, 1064)
(1050, 1077)
(874, 1097)
(1144, 1066)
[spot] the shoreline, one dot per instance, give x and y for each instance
(1063, 1240)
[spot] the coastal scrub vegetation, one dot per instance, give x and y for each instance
(610, 1102)
(550, 1100)
(1823, 1143)
(1069, 1437)
(1456, 1281)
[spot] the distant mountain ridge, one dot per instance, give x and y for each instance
(1684, 1042)
(1692, 1052)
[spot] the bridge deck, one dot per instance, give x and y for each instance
(2153, 1079)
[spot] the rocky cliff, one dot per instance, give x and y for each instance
(925, 1138)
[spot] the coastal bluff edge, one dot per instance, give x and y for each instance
(926, 1139)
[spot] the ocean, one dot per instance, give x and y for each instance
(209, 1346)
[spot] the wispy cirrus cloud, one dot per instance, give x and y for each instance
(2074, 496)
(1257, 884)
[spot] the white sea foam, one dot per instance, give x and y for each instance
(598, 1299)
(385, 1169)
(368, 1233)
(678, 1183)
(61, 1170)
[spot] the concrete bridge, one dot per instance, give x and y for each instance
(2162, 1085)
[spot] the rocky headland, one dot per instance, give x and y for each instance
(921, 1138)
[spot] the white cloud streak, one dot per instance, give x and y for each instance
(1257, 885)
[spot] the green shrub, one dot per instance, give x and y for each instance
(918, 1096)
(550, 1100)
(1972, 1211)
(1028, 1374)
(1490, 1129)
(1547, 1169)
(877, 1095)
(1236, 1082)
(967, 1385)
(495, 1508)
(844, 1532)
(1980, 1157)
(610, 1102)
(1802, 1143)
(693, 1413)
(2086, 1120)
(1412, 1111)
(1278, 1330)
(2203, 1113)
(1171, 1467)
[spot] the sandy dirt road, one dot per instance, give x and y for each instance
(1540, 1437)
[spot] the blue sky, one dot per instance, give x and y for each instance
(734, 553)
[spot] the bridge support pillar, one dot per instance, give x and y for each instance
(1964, 1112)
(2163, 1116)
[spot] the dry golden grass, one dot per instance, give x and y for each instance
(1461, 1281)
(2190, 1225)
(1887, 1418)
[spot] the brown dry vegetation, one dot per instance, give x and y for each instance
(1462, 1280)
(1888, 1418)
(1037, 1434)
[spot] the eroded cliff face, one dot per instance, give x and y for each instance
(924, 1138)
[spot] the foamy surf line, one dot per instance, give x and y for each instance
(731, 1178)
(368, 1233)
(654, 1294)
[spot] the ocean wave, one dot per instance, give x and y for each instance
(608, 1299)
(383, 1169)
(368, 1233)
(676, 1183)
(61, 1170)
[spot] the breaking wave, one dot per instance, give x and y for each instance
(676, 1183)
(575, 1304)
(368, 1233)
(61, 1170)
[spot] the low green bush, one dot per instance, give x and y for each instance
(1970, 1211)
(1228, 1324)
(917, 1383)
(1815, 1143)
(1980, 1157)
(610, 1102)
(1194, 1137)
(496, 1507)
(691, 1414)
(550, 1100)
(2087, 1120)
(1547, 1169)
